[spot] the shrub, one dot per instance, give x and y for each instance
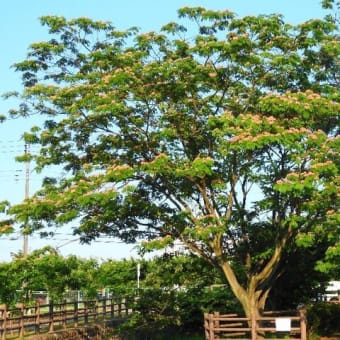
(175, 311)
(323, 318)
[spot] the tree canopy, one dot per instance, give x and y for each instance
(220, 132)
(46, 270)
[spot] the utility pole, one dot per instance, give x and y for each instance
(27, 192)
(138, 275)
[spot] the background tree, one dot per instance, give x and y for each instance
(120, 277)
(46, 270)
(225, 139)
(300, 282)
(9, 284)
(5, 224)
(181, 271)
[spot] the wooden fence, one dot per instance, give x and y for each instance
(284, 325)
(49, 317)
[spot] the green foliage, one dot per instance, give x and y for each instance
(6, 225)
(120, 277)
(8, 284)
(330, 263)
(44, 269)
(323, 318)
(301, 282)
(330, 3)
(175, 292)
(226, 141)
(159, 310)
(180, 271)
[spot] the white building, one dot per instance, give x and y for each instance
(332, 290)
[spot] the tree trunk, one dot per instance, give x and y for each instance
(252, 300)
(253, 303)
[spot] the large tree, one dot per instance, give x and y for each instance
(222, 135)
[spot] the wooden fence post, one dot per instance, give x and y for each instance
(126, 305)
(104, 308)
(51, 316)
(75, 313)
(63, 313)
(22, 324)
(86, 311)
(96, 306)
(303, 323)
(4, 322)
(206, 325)
(211, 327)
(253, 326)
(37, 317)
(112, 308)
(216, 323)
(119, 305)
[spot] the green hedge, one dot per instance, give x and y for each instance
(324, 318)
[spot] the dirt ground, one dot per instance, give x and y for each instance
(97, 332)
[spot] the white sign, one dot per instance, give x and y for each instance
(282, 324)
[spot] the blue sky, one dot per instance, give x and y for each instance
(20, 27)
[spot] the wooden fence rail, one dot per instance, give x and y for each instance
(231, 326)
(49, 317)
